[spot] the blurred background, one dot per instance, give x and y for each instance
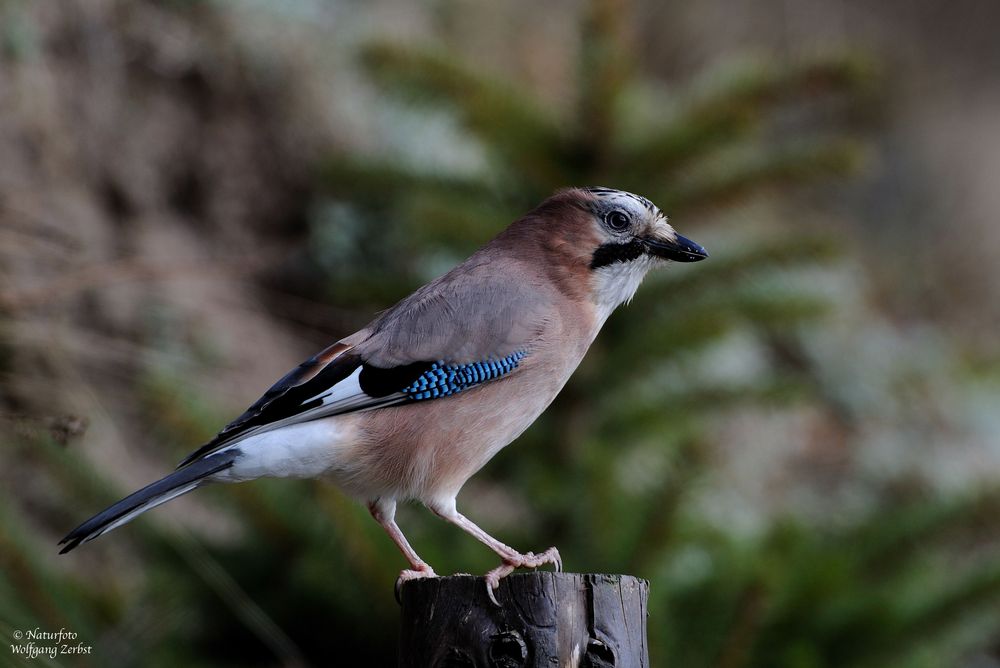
(796, 441)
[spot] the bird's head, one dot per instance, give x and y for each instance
(597, 243)
(630, 228)
(619, 236)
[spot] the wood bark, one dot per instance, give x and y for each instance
(548, 619)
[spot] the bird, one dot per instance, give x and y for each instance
(415, 403)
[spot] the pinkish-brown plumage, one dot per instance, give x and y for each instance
(496, 338)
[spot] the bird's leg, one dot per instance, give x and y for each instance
(512, 559)
(384, 512)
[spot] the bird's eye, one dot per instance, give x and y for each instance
(617, 220)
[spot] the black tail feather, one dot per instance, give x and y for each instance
(177, 483)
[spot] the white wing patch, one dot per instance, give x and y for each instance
(347, 395)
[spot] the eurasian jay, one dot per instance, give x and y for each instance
(414, 404)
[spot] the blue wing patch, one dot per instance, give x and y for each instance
(443, 380)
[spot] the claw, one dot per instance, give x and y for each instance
(493, 579)
(405, 576)
(490, 588)
(556, 559)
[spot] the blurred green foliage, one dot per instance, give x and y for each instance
(609, 472)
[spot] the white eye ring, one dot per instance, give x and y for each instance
(617, 220)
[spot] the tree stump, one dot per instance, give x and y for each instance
(544, 619)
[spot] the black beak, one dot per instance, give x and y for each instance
(681, 249)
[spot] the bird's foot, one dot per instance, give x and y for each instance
(549, 556)
(422, 571)
(526, 560)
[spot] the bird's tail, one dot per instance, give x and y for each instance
(177, 483)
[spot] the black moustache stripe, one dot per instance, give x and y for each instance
(617, 252)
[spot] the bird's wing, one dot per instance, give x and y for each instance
(482, 309)
(453, 334)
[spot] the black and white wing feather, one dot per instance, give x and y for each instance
(331, 382)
